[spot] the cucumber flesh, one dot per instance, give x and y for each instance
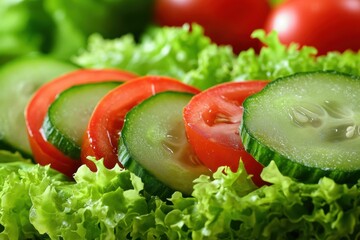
(19, 79)
(67, 118)
(153, 145)
(309, 124)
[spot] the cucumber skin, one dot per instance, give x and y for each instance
(157, 188)
(152, 186)
(67, 146)
(299, 172)
(264, 155)
(60, 140)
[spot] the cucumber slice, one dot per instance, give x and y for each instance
(67, 118)
(309, 124)
(153, 145)
(19, 79)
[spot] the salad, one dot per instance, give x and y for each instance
(93, 197)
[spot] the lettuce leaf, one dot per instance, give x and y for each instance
(39, 203)
(17, 175)
(176, 52)
(283, 210)
(90, 208)
(276, 60)
(186, 54)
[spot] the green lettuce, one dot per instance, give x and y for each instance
(39, 203)
(176, 52)
(186, 54)
(17, 176)
(276, 60)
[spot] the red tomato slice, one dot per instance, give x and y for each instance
(106, 122)
(44, 152)
(212, 119)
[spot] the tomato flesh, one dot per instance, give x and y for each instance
(212, 119)
(226, 22)
(106, 122)
(44, 152)
(328, 25)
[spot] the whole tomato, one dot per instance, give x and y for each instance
(328, 25)
(226, 22)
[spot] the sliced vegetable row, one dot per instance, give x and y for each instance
(107, 120)
(43, 151)
(169, 133)
(123, 119)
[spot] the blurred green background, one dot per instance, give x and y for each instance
(60, 28)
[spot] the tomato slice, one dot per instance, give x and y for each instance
(106, 122)
(212, 119)
(45, 153)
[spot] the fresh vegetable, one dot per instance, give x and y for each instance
(226, 22)
(25, 27)
(189, 56)
(212, 120)
(65, 123)
(19, 79)
(111, 204)
(176, 52)
(153, 145)
(102, 134)
(308, 123)
(44, 152)
(326, 25)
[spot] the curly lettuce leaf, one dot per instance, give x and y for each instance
(276, 60)
(284, 210)
(97, 205)
(39, 203)
(177, 52)
(17, 175)
(186, 54)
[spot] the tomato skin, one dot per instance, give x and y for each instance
(106, 122)
(225, 22)
(328, 25)
(212, 119)
(44, 152)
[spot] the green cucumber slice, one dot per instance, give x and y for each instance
(153, 145)
(309, 124)
(19, 79)
(66, 120)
